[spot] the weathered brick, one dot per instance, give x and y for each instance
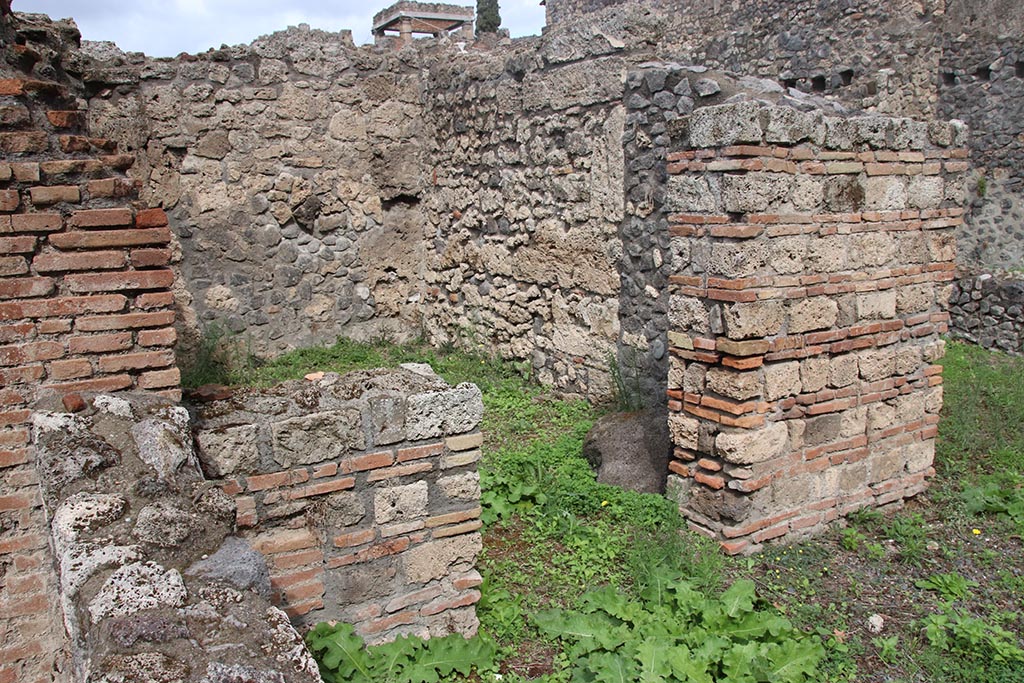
(97, 218)
(104, 323)
(23, 142)
(150, 218)
(159, 379)
(36, 222)
(119, 281)
(73, 368)
(54, 194)
(18, 332)
(136, 361)
(21, 375)
(13, 265)
(399, 471)
(469, 598)
(25, 287)
(66, 119)
(108, 383)
(31, 352)
(152, 300)
(53, 326)
(17, 245)
(61, 306)
(354, 538)
(149, 258)
(55, 262)
(100, 239)
(284, 541)
(10, 200)
(369, 461)
(464, 442)
(418, 452)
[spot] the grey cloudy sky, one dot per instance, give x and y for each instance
(164, 28)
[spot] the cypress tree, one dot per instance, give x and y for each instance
(487, 17)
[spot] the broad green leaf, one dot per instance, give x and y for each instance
(609, 667)
(739, 598)
(592, 631)
(389, 659)
(687, 666)
(794, 660)
(741, 662)
(455, 653)
(654, 664)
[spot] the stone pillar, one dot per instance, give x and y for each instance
(405, 31)
(804, 337)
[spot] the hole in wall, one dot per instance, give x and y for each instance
(788, 83)
(983, 73)
(818, 83)
(948, 78)
(1018, 69)
(846, 76)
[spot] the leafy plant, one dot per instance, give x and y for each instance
(951, 586)
(957, 633)
(1000, 494)
(219, 357)
(342, 656)
(888, 648)
(851, 538)
(675, 633)
(911, 533)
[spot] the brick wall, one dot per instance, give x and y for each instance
(362, 493)
(85, 304)
(805, 330)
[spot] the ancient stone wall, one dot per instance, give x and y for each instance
(362, 493)
(988, 310)
(152, 585)
(805, 328)
(527, 200)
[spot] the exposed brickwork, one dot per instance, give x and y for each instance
(803, 382)
(66, 259)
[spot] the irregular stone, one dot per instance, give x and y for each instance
(229, 450)
(442, 413)
(237, 564)
(165, 442)
(85, 512)
(163, 524)
(435, 559)
(135, 587)
(317, 437)
(400, 503)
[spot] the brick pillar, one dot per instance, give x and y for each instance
(85, 304)
(805, 331)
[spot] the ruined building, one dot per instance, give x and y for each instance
(752, 209)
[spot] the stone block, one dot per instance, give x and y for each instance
(228, 451)
(826, 255)
(401, 503)
(787, 255)
(689, 194)
(135, 587)
(753, 192)
(885, 193)
(823, 429)
(688, 313)
(876, 364)
(915, 298)
(871, 249)
(749, 446)
(437, 559)
(684, 430)
(814, 313)
(781, 380)
(885, 465)
(796, 492)
(442, 413)
(919, 455)
(876, 305)
(317, 437)
(926, 191)
(739, 386)
(465, 486)
(843, 370)
(752, 320)
(788, 126)
(726, 124)
(880, 416)
(738, 259)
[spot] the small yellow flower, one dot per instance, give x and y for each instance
(603, 503)
(976, 532)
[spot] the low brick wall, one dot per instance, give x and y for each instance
(805, 330)
(988, 310)
(362, 492)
